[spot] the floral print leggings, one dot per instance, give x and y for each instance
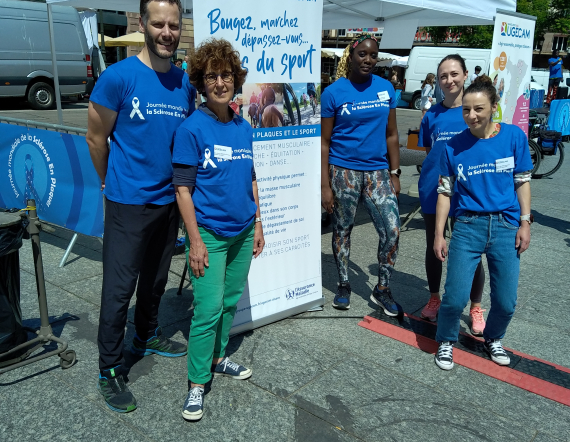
(375, 189)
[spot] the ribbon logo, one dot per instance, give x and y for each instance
(136, 110)
(345, 109)
(207, 155)
(30, 191)
(460, 173)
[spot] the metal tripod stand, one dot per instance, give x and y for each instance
(45, 333)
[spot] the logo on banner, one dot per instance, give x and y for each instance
(298, 292)
(31, 171)
(514, 30)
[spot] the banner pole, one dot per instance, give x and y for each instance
(68, 250)
(54, 64)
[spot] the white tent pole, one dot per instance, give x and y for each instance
(54, 65)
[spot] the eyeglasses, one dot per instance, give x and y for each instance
(227, 77)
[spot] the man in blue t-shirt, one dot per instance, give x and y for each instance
(138, 104)
(555, 77)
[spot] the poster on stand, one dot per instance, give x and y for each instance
(510, 66)
(279, 44)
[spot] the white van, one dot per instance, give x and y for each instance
(541, 76)
(25, 53)
(425, 59)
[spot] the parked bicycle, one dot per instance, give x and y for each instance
(546, 146)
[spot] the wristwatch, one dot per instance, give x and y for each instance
(529, 218)
(396, 172)
(257, 220)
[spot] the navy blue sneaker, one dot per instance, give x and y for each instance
(117, 395)
(158, 344)
(384, 299)
(231, 369)
(342, 298)
(194, 404)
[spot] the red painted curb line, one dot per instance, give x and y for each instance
(474, 362)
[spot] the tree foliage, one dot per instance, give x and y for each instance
(551, 15)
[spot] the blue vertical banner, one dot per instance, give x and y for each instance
(54, 169)
(280, 45)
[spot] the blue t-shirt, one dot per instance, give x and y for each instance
(438, 126)
(150, 106)
(184, 65)
(556, 70)
(474, 162)
(360, 112)
(223, 195)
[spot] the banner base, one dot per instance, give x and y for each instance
(242, 328)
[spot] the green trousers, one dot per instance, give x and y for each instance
(216, 295)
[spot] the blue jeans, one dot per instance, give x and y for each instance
(473, 235)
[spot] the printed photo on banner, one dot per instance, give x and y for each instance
(263, 104)
(302, 103)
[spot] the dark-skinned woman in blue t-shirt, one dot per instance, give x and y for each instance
(360, 160)
(216, 191)
(487, 167)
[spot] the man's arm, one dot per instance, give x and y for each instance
(100, 122)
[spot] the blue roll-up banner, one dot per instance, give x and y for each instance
(56, 170)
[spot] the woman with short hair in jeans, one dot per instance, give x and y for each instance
(441, 123)
(360, 160)
(216, 190)
(488, 167)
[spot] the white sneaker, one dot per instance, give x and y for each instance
(444, 356)
(497, 352)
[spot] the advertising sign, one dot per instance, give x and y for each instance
(279, 44)
(511, 62)
(55, 169)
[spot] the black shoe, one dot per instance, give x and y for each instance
(117, 395)
(384, 299)
(159, 345)
(342, 299)
(497, 352)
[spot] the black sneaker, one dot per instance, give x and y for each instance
(444, 356)
(342, 298)
(384, 299)
(117, 395)
(194, 404)
(231, 369)
(498, 354)
(159, 345)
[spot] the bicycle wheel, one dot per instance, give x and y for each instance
(550, 163)
(535, 155)
(292, 105)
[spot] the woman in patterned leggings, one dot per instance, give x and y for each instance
(360, 161)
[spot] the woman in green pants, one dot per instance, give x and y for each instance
(216, 191)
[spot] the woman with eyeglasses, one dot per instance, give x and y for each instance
(216, 190)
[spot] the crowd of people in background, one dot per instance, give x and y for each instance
(158, 167)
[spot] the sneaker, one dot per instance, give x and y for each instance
(444, 356)
(342, 299)
(117, 395)
(229, 368)
(497, 352)
(384, 299)
(430, 310)
(477, 321)
(194, 404)
(158, 344)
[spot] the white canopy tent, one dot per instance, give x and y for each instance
(400, 18)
